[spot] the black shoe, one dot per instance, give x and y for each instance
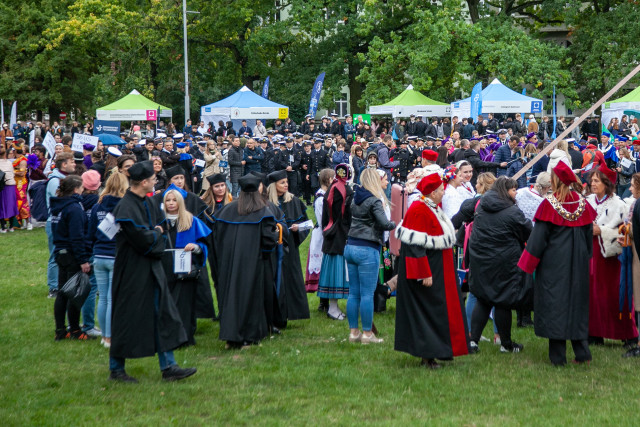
(216, 318)
(431, 364)
(323, 307)
(62, 334)
(175, 373)
(630, 344)
(514, 347)
(634, 352)
(275, 331)
(53, 293)
(596, 341)
(121, 376)
(473, 347)
(445, 359)
(527, 322)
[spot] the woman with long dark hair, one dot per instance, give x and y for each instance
(500, 231)
(245, 232)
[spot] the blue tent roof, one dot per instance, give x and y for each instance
(496, 91)
(244, 98)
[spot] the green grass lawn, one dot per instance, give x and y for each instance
(310, 374)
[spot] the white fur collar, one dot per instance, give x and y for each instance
(419, 238)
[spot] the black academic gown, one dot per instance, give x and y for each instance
(137, 275)
(248, 242)
(297, 305)
(560, 251)
(204, 297)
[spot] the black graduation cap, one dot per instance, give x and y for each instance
(216, 179)
(174, 171)
(249, 183)
(277, 176)
(141, 170)
(261, 176)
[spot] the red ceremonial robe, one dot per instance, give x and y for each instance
(429, 320)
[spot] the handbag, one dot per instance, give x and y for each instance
(77, 289)
(2, 180)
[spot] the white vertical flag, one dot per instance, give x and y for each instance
(13, 118)
(1, 111)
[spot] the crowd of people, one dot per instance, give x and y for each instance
(471, 243)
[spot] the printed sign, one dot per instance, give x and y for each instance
(109, 226)
(79, 140)
(106, 126)
(152, 115)
(536, 106)
(182, 261)
(49, 143)
(283, 113)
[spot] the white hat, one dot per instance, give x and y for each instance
(114, 151)
(531, 116)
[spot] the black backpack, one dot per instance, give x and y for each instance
(38, 195)
(2, 180)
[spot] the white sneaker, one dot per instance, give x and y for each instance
(485, 339)
(29, 226)
(94, 332)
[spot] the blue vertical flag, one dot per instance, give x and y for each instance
(553, 134)
(525, 120)
(315, 95)
(476, 101)
(265, 88)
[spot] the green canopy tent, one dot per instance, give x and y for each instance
(628, 104)
(133, 107)
(409, 102)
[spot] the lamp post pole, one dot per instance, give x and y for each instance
(186, 62)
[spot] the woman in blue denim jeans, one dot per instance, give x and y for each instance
(104, 249)
(362, 253)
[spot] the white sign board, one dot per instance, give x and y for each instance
(49, 143)
(79, 140)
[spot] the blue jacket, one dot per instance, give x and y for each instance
(68, 224)
(253, 164)
(340, 157)
(53, 182)
(503, 154)
(102, 245)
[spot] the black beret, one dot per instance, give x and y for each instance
(277, 176)
(174, 171)
(216, 179)
(141, 170)
(249, 183)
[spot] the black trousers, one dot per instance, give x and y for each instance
(558, 351)
(480, 317)
(62, 306)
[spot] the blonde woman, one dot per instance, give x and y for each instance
(104, 248)
(186, 232)
(362, 253)
(294, 305)
(212, 157)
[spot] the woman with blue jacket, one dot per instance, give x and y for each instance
(68, 224)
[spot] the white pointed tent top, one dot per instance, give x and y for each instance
(245, 89)
(495, 82)
(134, 92)
(410, 87)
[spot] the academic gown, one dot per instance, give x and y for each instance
(241, 271)
(429, 320)
(137, 274)
(558, 250)
(297, 305)
(183, 291)
(204, 297)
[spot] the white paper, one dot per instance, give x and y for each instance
(181, 261)
(291, 158)
(199, 163)
(80, 139)
(49, 143)
(307, 225)
(588, 167)
(109, 226)
(626, 163)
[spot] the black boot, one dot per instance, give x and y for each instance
(323, 307)
(526, 319)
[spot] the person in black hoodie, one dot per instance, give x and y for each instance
(104, 249)
(67, 223)
(500, 231)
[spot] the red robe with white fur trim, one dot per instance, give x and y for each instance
(429, 320)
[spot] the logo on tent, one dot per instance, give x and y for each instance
(152, 114)
(536, 106)
(235, 113)
(456, 105)
(207, 109)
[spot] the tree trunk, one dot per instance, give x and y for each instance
(473, 10)
(355, 87)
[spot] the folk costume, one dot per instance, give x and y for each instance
(314, 255)
(336, 220)
(557, 250)
(429, 320)
(605, 318)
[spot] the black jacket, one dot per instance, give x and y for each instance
(68, 225)
(500, 231)
(368, 220)
(479, 165)
(235, 163)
